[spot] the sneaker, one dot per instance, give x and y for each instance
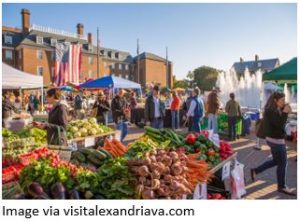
(253, 174)
(287, 191)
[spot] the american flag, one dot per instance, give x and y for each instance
(67, 63)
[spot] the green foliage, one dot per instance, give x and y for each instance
(204, 77)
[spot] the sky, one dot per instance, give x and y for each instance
(215, 35)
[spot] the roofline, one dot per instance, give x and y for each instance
(238, 62)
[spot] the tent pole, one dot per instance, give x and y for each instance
(43, 98)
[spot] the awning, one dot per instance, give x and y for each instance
(285, 72)
(15, 79)
(111, 82)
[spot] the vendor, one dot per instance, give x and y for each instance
(7, 108)
(57, 119)
(102, 108)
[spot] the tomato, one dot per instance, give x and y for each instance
(190, 138)
(210, 153)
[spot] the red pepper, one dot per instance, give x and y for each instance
(191, 139)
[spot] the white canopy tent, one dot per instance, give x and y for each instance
(15, 79)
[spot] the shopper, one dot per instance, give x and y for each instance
(18, 103)
(274, 120)
(233, 110)
(57, 120)
(213, 105)
(78, 105)
(102, 108)
(120, 109)
(175, 107)
(155, 109)
(196, 111)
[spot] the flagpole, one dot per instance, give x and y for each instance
(167, 68)
(138, 62)
(98, 53)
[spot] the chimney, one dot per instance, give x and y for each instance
(256, 57)
(90, 38)
(241, 60)
(25, 20)
(80, 30)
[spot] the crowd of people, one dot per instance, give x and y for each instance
(194, 107)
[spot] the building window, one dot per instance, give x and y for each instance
(8, 55)
(53, 55)
(112, 66)
(126, 67)
(40, 71)
(90, 48)
(91, 60)
(39, 40)
(120, 66)
(8, 39)
(117, 55)
(53, 42)
(39, 54)
(91, 74)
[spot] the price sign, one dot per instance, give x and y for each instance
(226, 170)
(89, 142)
(200, 192)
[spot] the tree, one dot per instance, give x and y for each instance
(204, 77)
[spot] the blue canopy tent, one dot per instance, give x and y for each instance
(111, 82)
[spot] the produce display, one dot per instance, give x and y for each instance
(159, 165)
(24, 138)
(90, 158)
(85, 127)
(161, 175)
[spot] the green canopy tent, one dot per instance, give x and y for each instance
(286, 73)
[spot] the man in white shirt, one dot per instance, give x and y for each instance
(196, 110)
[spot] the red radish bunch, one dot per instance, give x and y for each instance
(215, 196)
(225, 150)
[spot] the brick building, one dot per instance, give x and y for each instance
(32, 49)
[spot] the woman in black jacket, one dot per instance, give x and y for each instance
(57, 119)
(274, 120)
(102, 108)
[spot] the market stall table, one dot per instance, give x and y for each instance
(90, 141)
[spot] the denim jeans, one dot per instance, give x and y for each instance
(196, 124)
(232, 127)
(280, 160)
(175, 119)
(123, 127)
(213, 122)
(157, 123)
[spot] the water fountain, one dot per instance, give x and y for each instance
(247, 89)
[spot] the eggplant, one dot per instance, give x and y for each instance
(74, 195)
(35, 189)
(58, 191)
(43, 196)
(99, 197)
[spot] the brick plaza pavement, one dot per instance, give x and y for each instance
(266, 186)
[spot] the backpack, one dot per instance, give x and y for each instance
(198, 112)
(78, 102)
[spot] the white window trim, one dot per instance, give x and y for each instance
(6, 39)
(126, 67)
(11, 52)
(53, 42)
(38, 71)
(38, 54)
(120, 66)
(39, 40)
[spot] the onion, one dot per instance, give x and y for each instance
(139, 189)
(153, 152)
(153, 166)
(152, 158)
(148, 194)
(166, 160)
(176, 169)
(143, 171)
(155, 184)
(168, 178)
(155, 174)
(161, 152)
(142, 180)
